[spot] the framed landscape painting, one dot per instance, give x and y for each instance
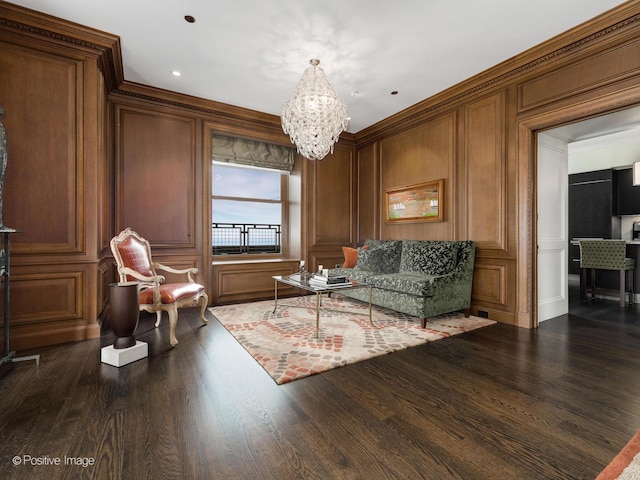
(415, 203)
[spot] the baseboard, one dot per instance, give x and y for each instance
(613, 295)
(42, 338)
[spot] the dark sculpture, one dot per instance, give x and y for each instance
(3, 159)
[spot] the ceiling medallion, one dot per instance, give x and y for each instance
(314, 116)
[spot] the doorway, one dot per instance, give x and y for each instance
(555, 162)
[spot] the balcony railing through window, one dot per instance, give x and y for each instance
(245, 238)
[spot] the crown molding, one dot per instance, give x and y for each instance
(28, 25)
(224, 117)
(607, 25)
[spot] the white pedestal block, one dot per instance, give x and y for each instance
(124, 356)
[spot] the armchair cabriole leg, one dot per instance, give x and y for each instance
(204, 301)
(158, 318)
(173, 320)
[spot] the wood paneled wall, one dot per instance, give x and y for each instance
(424, 153)
(329, 188)
(91, 154)
(156, 170)
(53, 91)
(480, 137)
(488, 194)
(467, 147)
(159, 184)
(249, 281)
(368, 202)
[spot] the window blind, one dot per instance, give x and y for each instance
(252, 153)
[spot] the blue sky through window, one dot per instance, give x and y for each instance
(233, 181)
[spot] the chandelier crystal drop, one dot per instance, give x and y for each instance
(314, 116)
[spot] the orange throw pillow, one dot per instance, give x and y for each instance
(350, 256)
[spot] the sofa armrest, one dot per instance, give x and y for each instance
(464, 266)
(454, 289)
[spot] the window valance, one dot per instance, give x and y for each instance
(252, 153)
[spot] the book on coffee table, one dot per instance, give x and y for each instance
(319, 284)
(328, 285)
(329, 279)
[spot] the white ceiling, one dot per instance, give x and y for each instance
(612, 123)
(251, 53)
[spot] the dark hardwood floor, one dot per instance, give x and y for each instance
(504, 403)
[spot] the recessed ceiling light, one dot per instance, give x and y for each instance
(190, 19)
(176, 73)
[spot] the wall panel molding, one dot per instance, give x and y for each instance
(368, 191)
(490, 284)
(61, 185)
(236, 282)
(331, 197)
(618, 64)
(494, 288)
(485, 163)
(59, 295)
(161, 149)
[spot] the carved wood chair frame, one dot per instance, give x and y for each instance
(157, 283)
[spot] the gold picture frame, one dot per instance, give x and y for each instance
(423, 202)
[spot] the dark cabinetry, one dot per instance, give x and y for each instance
(592, 210)
(627, 195)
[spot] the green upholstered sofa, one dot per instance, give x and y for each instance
(422, 278)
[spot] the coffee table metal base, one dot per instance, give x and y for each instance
(318, 294)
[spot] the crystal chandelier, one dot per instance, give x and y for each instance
(314, 116)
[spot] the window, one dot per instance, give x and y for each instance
(248, 210)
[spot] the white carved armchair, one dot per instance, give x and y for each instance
(132, 254)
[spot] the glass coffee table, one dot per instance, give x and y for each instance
(298, 281)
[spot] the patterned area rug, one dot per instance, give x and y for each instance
(284, 342)
(626, 465)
